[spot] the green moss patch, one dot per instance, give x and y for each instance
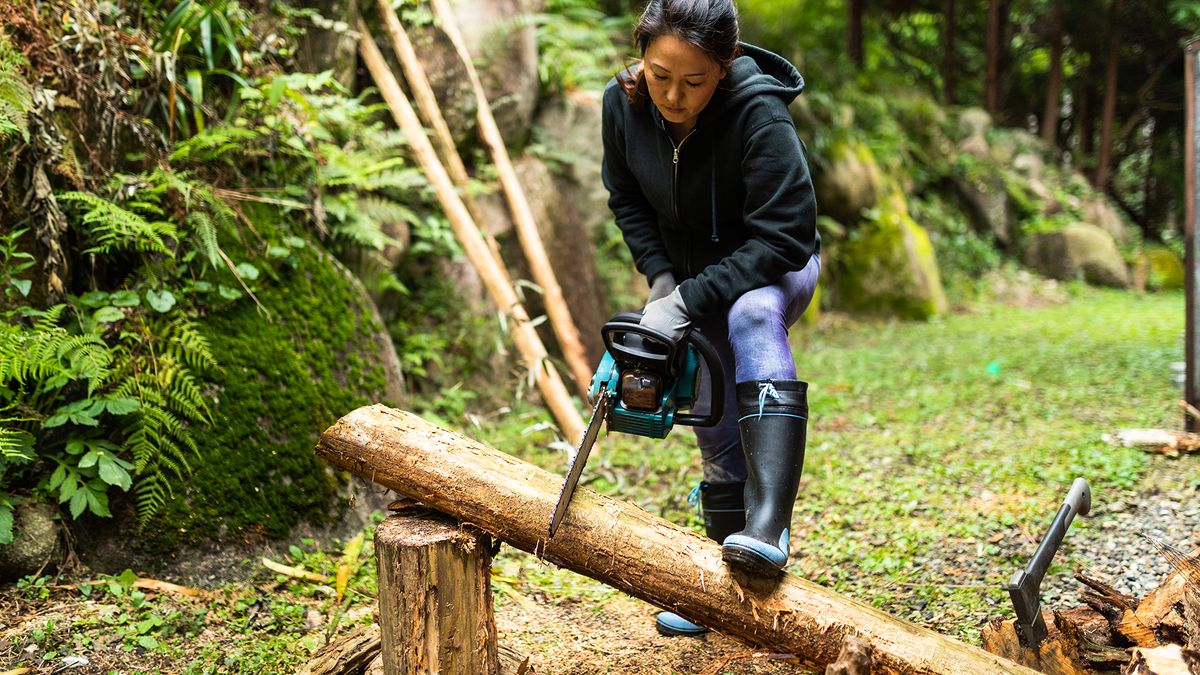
(283, 381)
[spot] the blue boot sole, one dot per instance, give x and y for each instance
(753, 557)
(670, 624)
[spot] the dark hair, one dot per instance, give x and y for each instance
(709, 25)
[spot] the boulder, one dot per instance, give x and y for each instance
(1098, 211)
(35, 541)
(847, 181)
(984, 196)
(1160, 268)
(281, 381)
(973, 124)
(502, 42)
(889, 268)
(1078, 251)
(568, 242)
(571, 126)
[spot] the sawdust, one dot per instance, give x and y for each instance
(617, 635)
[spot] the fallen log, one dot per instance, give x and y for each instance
(620, 544)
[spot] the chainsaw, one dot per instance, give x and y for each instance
(643, 382)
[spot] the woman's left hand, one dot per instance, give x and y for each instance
(668, 316)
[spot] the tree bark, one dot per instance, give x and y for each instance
(435, 597)
(489, 266)
(1054, 85)
(992, 51)
(622, 545)
(949, 49)
(854, 32)
(1104, 153)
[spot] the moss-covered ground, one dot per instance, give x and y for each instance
(936, 449)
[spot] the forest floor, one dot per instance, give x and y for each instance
(938, 454)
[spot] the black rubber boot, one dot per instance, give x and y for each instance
(724, 512)
(773, 416)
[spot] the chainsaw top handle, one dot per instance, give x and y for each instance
(657, 350)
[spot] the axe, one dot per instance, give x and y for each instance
(1025, 586)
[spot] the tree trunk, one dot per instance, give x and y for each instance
(620, 544)
(1085, 118)
(1054, 85)
(435, 596)
(949, 49)
(854, 37)
(992, 50)
(1104, 156)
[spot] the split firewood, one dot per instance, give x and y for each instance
(350, 654)
(1165, 660)
(1075, 644)
(1163, 441)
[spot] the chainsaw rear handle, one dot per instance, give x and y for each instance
(716, 406)
(625, 323)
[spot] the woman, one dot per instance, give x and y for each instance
(710, 188)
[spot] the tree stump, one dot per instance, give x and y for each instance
(435, 598)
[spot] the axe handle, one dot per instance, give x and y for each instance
(1078, 501)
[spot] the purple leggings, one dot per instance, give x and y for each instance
(752, 344)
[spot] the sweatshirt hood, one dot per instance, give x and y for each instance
(756, 72)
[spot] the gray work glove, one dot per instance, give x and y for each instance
(661, 287)
(667, 315)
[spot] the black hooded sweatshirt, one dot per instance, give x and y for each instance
(730, 208)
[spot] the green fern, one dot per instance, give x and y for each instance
(155, 366)
(114, 228)
(16, 96)
(49, 354)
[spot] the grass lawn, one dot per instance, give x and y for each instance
(937, 454)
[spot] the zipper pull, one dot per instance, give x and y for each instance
(675, 158)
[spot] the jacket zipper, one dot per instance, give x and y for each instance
(687, 257)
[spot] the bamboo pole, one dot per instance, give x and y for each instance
(531, 242)
(490, 269)
(427, 106)
(621, 545)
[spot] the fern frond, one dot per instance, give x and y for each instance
(115, 228)
(384, 210)
(213, 143)
(206, 236)
(151, 493)
(193, 348)
(16, 94)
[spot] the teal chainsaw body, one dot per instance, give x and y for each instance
(644, 381)
(650, 380)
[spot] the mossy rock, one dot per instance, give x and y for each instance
(283, 380)
(1163, 269)
(1077, 251)
(890, 268)
(848, 182)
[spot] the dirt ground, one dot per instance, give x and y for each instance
(585, 638)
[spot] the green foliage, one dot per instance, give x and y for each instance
(577, 46)
(16, 96)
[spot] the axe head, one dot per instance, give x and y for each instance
(1025, 592)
